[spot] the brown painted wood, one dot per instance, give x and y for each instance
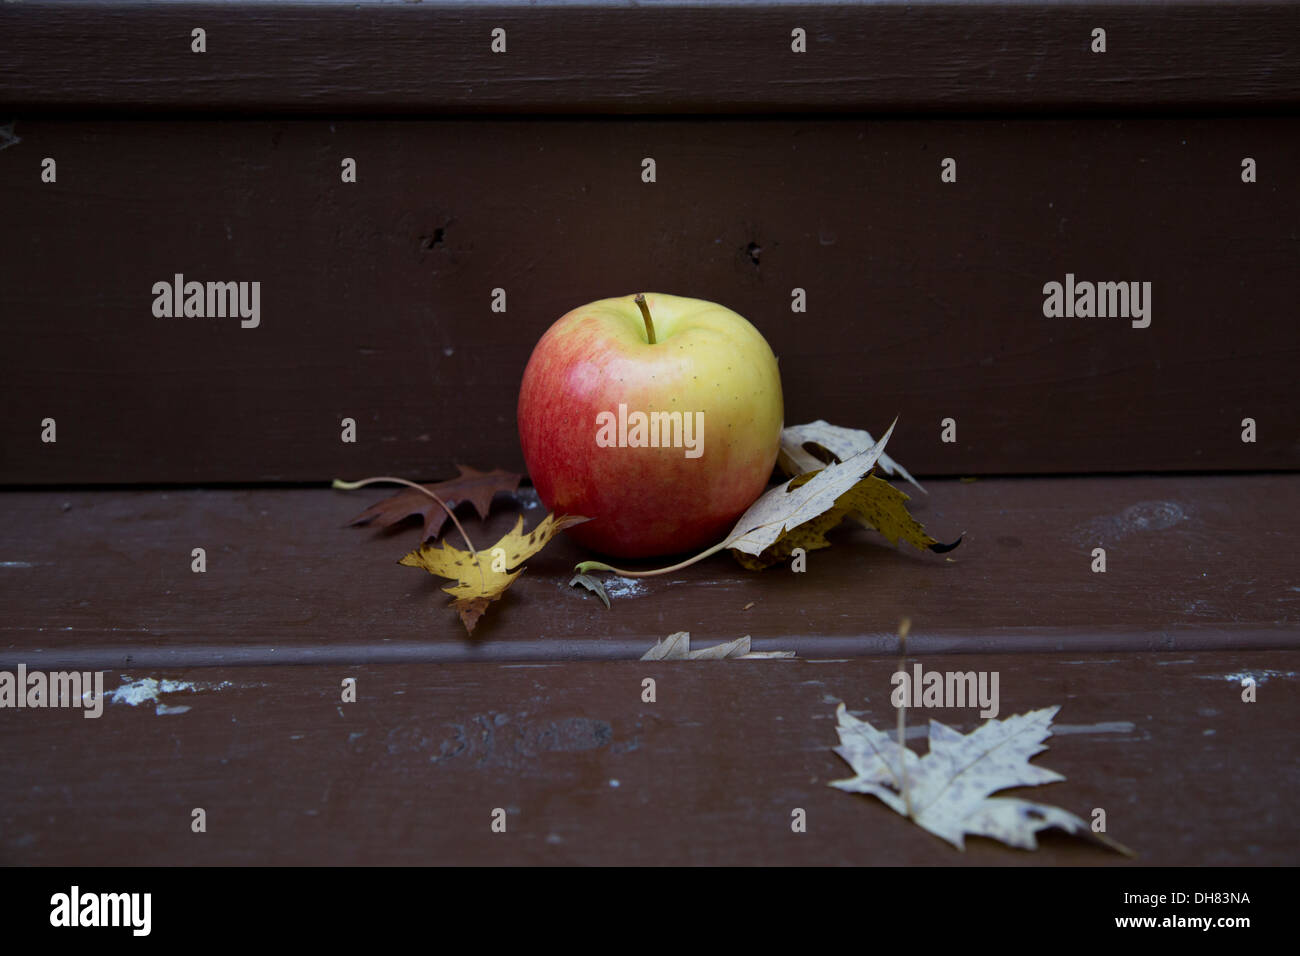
(708, 58)
(924, 299)
(710, 773)
(522, 171)
(104, 579)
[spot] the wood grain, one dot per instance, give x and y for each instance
(104, 579)
(587, 773)
(522, 171)
(924, 299)
(623, 58)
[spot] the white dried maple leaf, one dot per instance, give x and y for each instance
(949, 790)
(785, 507)
(677, 647)
(843, 443)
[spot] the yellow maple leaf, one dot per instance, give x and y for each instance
(875, 503)
(799, 513)
(483, 576)
(871, 502)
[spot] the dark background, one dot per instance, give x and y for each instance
(818, 171)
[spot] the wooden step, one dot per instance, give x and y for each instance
(588, 773)
(103, 578)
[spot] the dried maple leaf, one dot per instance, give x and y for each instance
(798, 514)
(483, 576)
(476, 487)
(949, 790)
(838, 444)
(677, 647)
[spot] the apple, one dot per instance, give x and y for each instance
(658, 417)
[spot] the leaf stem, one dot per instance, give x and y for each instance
(1114, 845)
(588, 566)
(353, 485)
(645, 314)
(904, 627)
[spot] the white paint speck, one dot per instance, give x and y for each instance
(136, 692)
(614, 784)
(147, 689)
(617, 587)
(1107, 727)
(1260, 677)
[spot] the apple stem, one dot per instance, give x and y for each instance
(645, 314)
(587, 566)
(353, 485)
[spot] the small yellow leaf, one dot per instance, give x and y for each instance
(876, 503)
(483, 577)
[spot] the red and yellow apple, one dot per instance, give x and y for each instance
(659, 419)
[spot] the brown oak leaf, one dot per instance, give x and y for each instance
(476, 487)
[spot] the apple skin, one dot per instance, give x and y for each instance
(650, 501)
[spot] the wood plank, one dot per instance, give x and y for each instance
(924, 300)
(104, 579)
(710, 773)
(680, 57)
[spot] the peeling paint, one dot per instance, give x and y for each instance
(1260, 677)
(623, 587)
(922, 731)
(1144, 516)
(1109, 727)
(146, 690)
